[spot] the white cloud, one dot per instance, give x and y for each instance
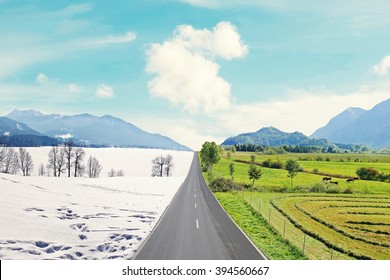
(128, 37)
(382, 67)
(223, 40)
(73, 88)
(42, 79)
(104, 91)
(185, 73)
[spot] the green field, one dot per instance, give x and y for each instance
(276, 179)
(334, 225)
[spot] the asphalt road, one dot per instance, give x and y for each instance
(195, 227)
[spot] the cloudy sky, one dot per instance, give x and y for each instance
(196, 70)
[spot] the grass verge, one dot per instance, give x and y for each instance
(269, 241)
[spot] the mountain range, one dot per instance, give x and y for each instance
(271, 136)
(13, 133)
(353, 126)
(86, 129)
(359, 126)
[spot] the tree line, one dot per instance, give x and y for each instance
(13, 161)
(62, 160)
(336, 148)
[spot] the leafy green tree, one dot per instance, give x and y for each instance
(292, 166)
(254, 174)
(233, 149)
(231, 170)
(253, 159)
(209, 154)
(229, 155)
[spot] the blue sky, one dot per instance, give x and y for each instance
(196, 70)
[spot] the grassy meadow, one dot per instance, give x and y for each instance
(350, 220)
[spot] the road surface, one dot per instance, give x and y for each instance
(195, 227)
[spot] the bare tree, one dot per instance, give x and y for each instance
(120, 173)
(41, 171)
(93, 167)
(53, 156)
(162, 166)
(158, 166)
(25, 162)
(68, 151)
(2, 157)
(168, 165)
(10, 161)
(77, 162)
(61, 164)
(111, 173)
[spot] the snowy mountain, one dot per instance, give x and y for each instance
(13, 133)
(93, 130)
(357, 126)
(9, 127)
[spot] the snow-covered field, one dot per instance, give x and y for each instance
(86, 218)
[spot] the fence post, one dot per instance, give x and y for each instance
(304, 243)
(259, 206)
(284, 228)
(331, 255)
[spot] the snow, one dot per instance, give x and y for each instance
(7, 133)
(64, 136)
(86, 218)
(19, 127)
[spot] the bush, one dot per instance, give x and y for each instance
(315, 171)
(221, 184)
(348, 190)
(332, 189)
(300, 189)
(241, 186)
(266, 163)
(277, 165)
(279, 189)
(367, 173)
(270, 164)
(318, 188)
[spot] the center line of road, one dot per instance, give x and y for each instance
(195, 195)
(197, 223)
(195, 205)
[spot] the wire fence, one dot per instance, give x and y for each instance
(310, 247)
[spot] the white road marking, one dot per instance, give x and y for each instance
(195, 195)
(197, 223)
(195, 205)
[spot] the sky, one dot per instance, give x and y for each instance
(196, 70)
